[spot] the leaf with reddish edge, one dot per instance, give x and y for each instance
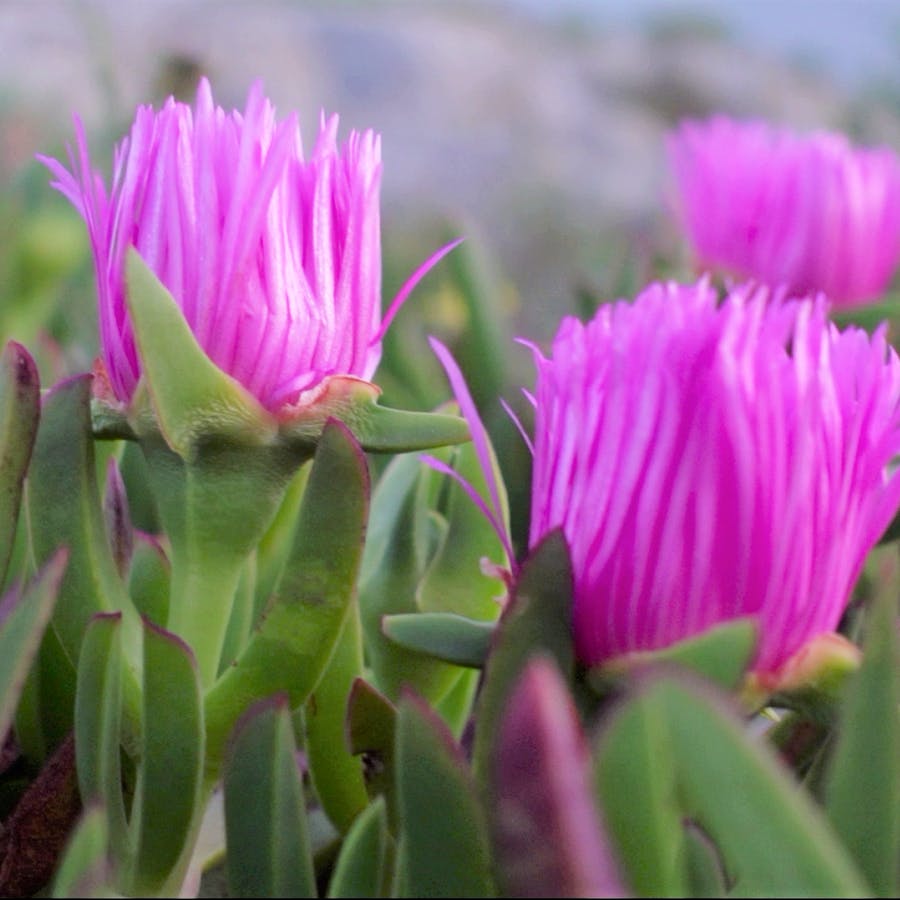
(21, 631)
(118, 518)
(547, 835)
(19, 413)
(36, 832)
(293, 642)
(268, 845)
(64, 509)
(444, 832)
(537, 620)
(371, 726)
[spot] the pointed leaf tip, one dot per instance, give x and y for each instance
(547, 833)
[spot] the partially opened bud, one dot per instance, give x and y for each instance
(272, 257)
(811, 213)
(709, 462)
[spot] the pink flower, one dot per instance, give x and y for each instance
(708, 462)
(274, 259)
(810, 213)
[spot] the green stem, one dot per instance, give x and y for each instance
(202, 596)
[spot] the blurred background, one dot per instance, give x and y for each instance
(533, 128)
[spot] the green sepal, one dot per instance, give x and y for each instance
(21, 632)
(445, 854)
(291, 646)
(267, 834)
(167, 804)
(19, 413)
(538, 619)
(361, 868)
(721, 653)
(862, 790)
(868, 316)
(193, 400)
(773, 839)
(336, 773)
(445, 636)
(378, 429)
(84, 870)
(98, 724)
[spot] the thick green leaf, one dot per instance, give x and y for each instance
(19, 413)
(774, 841)
(64, 510)
(149, 579)
(705, 876)
(98, 724)
(361, 868)
(446, 851)
(292, 644)
(863, 786)
(21, 631)
(371, 730)
(537, 620)
(393, 563)
(265, 816)
(336, 773)
(722, 654)
(546, 834)
(84, 870)
(170, 786)
(446, 636)
(636, 779)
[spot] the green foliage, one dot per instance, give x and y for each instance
(265, 815)
(19, 414)
(863, 785)
(445, 855)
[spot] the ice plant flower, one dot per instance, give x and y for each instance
(808, 212)
(710, 462)
(274, 258)
(239, 295)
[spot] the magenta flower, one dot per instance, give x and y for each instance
(707, 463)
(274, 259)
(809, 213)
